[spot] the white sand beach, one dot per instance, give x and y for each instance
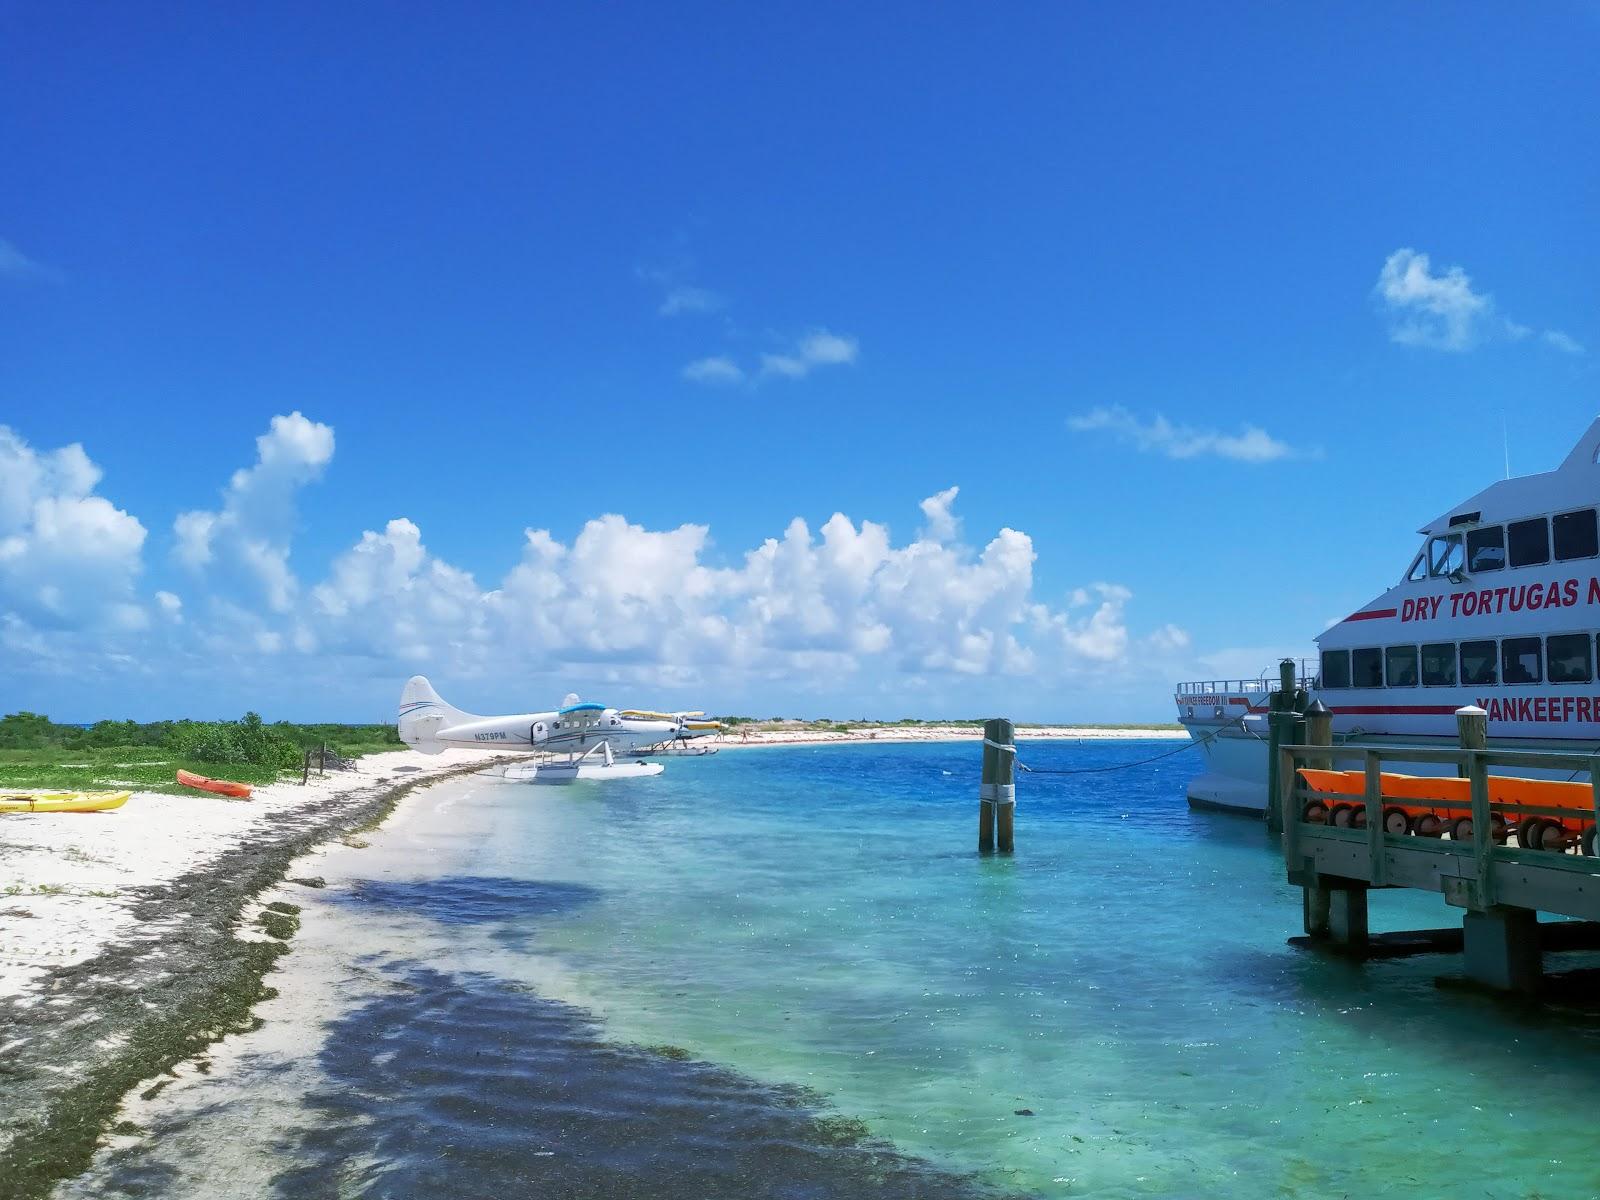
(68, 881)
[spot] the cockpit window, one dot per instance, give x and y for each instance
(1445, 554)
(1530, 542)
(1486, 549)
(1419, 568)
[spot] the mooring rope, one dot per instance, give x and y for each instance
(1192, 744)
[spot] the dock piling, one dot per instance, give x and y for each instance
(1284, 727)
(997, 793)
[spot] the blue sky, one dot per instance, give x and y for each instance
(1152, 286)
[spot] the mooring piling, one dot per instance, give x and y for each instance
(997, 793)
(1284, 726)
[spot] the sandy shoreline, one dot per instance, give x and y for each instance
(120, 941)
(129, 940)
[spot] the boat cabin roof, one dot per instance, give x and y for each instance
(1571, 485)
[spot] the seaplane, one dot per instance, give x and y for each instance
(589, 735)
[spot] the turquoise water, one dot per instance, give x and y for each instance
(1112, 1012)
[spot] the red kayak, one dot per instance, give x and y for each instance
(222, 787)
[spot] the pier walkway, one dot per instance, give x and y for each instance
(1339, 845)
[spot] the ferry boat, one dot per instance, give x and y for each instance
(1499, 607)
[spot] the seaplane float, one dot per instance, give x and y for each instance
(577, 741)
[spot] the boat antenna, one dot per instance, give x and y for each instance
(1505, 440)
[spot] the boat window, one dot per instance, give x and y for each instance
(1569, 658)
(1530, 542)
(1444, 554)
(1575, 535)
(1486, 549)
(1477, 664)
(1366, 668)
(1419, 568)
(1519, 660)
(1336, 668)
(1400, 666)
(1439, 664)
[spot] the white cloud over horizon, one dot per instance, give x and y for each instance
(68, 558)
(1158, 435)
(655, 608)
(248, 538)
(818, 348)
(1442, 311)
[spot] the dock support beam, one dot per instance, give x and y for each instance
(1336, 911)
(1502, 949)
(997, 793)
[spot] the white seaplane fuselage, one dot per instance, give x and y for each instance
(573, 730)
(577, 731)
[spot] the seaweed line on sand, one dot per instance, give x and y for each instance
(141, 1007)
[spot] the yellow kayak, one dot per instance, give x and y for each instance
(40, 802)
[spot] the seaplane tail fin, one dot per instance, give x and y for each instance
(423, 713)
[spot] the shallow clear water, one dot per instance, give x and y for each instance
(458, 1004)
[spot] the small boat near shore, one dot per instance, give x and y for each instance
(60, 802)
(221, 787)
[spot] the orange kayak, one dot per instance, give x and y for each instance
(222, 787)
(1538, 793)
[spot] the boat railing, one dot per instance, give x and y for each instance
(1262, 686)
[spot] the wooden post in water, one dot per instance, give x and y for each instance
(997, 792)
(1282, 722)
(1005, 807)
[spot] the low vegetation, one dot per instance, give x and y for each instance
(36, 753)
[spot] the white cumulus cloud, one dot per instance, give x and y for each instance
(68, 557)
(819, 348)
(1161, 436)
(836, 605)
(1441, 310)
(716, 368)
(683, 299)
(247, 540)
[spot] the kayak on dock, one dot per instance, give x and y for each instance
(222, 787)
(42, 802)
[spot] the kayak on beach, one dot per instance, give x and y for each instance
(42, 802)
(222, 787)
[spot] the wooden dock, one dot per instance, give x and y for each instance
(1501, 888)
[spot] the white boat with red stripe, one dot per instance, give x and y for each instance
(1499, 607)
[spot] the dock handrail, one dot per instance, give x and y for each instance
(1465, 871)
